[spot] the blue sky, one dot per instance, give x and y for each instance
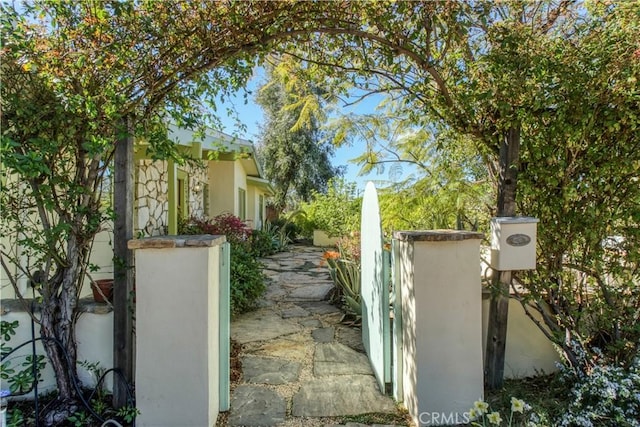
(250, 114)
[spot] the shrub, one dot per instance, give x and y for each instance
(344, 268)
(293, 225)
(262, 243)
(337, 212)
(247, 280)
(235, 229)
(607, 395)
(17, 371)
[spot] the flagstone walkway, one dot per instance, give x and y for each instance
(301, 366)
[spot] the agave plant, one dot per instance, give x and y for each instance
(346, 275)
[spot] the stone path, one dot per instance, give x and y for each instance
(300, 365)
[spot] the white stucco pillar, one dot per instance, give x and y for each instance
(442, 367)
(177, 327)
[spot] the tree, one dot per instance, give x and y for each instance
(72, 73)
(444, 189)
(522, 80)
(294, 149)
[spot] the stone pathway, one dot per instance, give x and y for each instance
(300, 365)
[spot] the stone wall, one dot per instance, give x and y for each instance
(197, 182)
(152, 198)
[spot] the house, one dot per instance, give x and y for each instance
(228, 180)
(225, 178)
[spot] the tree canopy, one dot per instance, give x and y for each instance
(559, 79)
(294, 148)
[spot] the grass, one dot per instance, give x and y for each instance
(546, 394)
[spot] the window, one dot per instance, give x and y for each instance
(260, 211)
(242, 203)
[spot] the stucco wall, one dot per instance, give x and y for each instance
(101, 256)
(222, 189)
(528, 352)
(94, 335)
(240, 180)
(177, 347)
(441, 324)
(252, 206)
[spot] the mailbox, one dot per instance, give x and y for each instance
(513, 243)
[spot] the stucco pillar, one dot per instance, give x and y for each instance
(177, 327)
(441, 306)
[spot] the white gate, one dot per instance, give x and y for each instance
(375, 289)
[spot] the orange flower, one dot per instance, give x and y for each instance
(329, 255)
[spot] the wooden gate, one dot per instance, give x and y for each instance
(375, 290)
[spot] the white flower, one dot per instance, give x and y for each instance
(481, 407)
(517, 405)
(494, 418)
(473, 414)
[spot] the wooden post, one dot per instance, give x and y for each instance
(499, 305)
(123, 264)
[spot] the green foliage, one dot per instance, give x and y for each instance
(79, 419)
(19, 376)
(264, 242)
(481, 415)
(72, 74)
(580, 176)
(128, 413)
(247, 280)
(547, 395)
(346, 276)
(15, 418)
(449, 186)
(293, 149)
(270, 240)
(97, 372)
(564, 77)
(337, 212)
(344, 268)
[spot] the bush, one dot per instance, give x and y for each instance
(337, 212)
(262, 243)
(247, 280)
(235, 229)
(289, 227)
(607, 395)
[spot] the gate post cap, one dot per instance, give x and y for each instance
(436, 235)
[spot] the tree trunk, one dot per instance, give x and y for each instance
(57, 329)
(499, 304)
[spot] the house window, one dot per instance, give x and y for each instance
(260, 210)
(242, 203)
